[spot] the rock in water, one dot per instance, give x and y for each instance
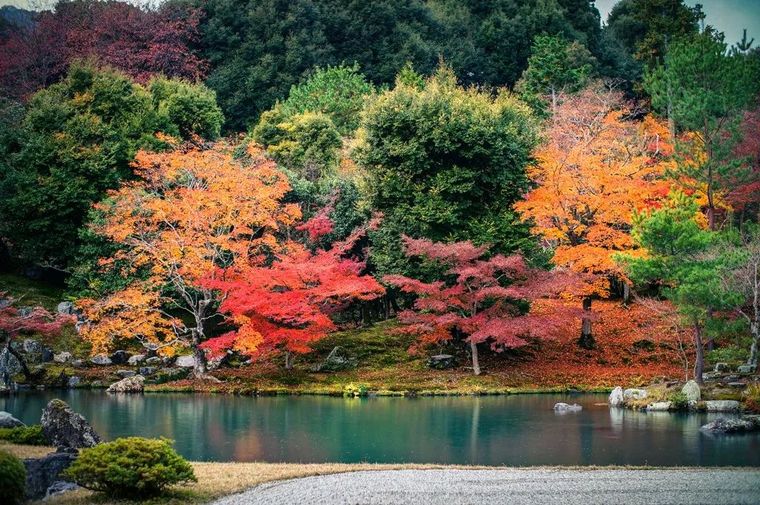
(128, 385)
(43, 473)
(616, 397)
(692, 391)
(722, 405)
(634, 394)
(564, 407)
(659, 406)
(187, 361)
(723, 425)
(8, 421)
(65, 428)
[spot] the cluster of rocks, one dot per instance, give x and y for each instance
(723, 375)
(64, 429)
(563, 408)
(729, 426)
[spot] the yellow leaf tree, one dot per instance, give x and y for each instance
(191, 212)
(598, 164)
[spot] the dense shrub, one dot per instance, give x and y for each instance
(731, 355)
(24, 435)
(131, 467)
(679, 401)
(12, 479)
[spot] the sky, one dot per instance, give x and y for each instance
(728, 16)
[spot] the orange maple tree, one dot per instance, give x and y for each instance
(596, 167)
(190, 212)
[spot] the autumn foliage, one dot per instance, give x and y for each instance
(286, 303)
(190, 212)
(597, 166)
(495, 300)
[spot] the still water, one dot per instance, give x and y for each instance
(516, 430)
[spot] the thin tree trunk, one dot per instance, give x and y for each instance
(289, 358)
(475, 362)
(200, 368)
(699, 360)
(754, 329)
(586, 340)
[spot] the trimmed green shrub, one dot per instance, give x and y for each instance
(679, 401)
(12, 479)
(24, 435)
(131, 467)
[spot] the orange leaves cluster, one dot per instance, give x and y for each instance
(191, 211)
(596, 167)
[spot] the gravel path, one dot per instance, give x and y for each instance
(513, 487)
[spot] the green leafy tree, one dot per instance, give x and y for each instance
(445, 163)
(76, 140)
(555, 67)
(680, 264)
(186, 109)
(702, 88)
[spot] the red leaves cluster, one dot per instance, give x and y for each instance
(138, 41)
(286, 303)
(483, 299)
(15, 321)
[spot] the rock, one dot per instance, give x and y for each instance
(8, 421)
(120, 357)
(100, 359)
(711, 376)
(564, 407)
(155, 360)
(66, 308)
(74, 381)
(77, 363)
(731, 378)
(62, 357)
(9, 366)
(129, 385)
(186, 361)
(338, 359)
(616, 397)
(722, 405)
(692, 391)
(723, 425)
(125, 373)
(65, 428)
(42, 473)
(147, 370)
(60, 487)
(737, 385)
(634, 394)
(31, 346)
(721, 367)
(47, 355)
(171, 374)
(136, 359)
(659, 406)
(441, 361)
(746, 369)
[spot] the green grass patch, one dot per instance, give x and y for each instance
(28, 292)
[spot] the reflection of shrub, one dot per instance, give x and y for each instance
(678, 401)
(12, 479)
(130, 467)
(24, 435)
(752, 398)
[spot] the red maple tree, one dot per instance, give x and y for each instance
(495, 300)
(286, 304)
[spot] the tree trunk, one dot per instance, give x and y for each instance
(626, 293)
(586, 340)
(289, 358)
(699, 360)
(200, 368)
(475, 362)
(754, 328)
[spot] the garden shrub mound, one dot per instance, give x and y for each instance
(24, 435)
(131, 467)
(12, 479)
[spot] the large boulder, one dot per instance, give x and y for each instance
(42, 474)
(724, 425)
(186, 361)
(101, 360)
(441, 361)
(65, 428)
(62, 357)
(120, 357)
(65, 308)
(136, 359)
(128, 385)
(565, 407)
(634, 394)
(692, 391)
(9, 366)
(616, 397)
(8, 421)
(722, 406)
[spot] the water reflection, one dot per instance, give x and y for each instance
(512, 430)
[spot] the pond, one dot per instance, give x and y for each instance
(518, 430)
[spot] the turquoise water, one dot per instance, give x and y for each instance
(518, 430)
